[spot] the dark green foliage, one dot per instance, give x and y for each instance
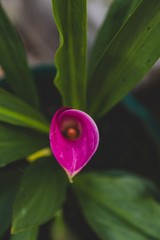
(119, 207)
(107, 202)
(40, 195)
(14, 63)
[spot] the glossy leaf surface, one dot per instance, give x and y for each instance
(70, 60)
(14, 63)
(41, 194)
(17, 143)
(129, 56)
(119, 207)
(17, 112)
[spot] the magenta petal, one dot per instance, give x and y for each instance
(74, 138)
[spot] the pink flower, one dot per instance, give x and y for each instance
(74, 138)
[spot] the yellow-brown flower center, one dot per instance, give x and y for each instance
(72, 133)
(70, 129)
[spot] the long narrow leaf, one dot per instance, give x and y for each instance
(14, 63)
(127, 59)
(17, 112)
(17, 143)
(119, 12)
(70, 60)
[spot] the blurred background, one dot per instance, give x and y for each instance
(35, 23)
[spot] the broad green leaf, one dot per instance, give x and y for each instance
(107, 225)
(126, 60)
(17, 112)
(29, 234)
(8, 187)
(41, 194)
(70, 60)
(14, 63)
(119, 11)
(17, 143)
(119, 207)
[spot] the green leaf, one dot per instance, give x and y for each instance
(8, 187)
(14, 63)
(118, 13)
(17, 143)
(108, 226)
(29, 234)
(126, 60)
(41, 194)
(17, 112)
(119, 207)
(61, 230)
(70, 60)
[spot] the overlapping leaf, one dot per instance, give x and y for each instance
(119, 207)
(14, 63)
(126, 60)
(70, 60)
(119, 12)
(17, 143)
(40, 195)
(17, 112)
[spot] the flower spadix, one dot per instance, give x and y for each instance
(74, 138)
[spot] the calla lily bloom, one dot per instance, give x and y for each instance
(74, 138)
